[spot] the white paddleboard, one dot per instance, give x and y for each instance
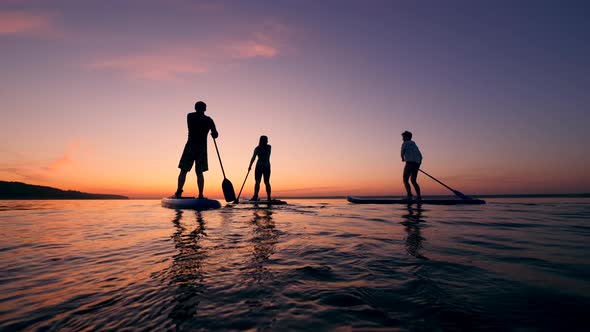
(190, 203)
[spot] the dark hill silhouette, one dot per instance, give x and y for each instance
(19, 190)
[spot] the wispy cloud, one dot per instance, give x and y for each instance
(264, 43)
(27, 23)
(252, 49)
(154, 66)
(174, 61)
(68, 158)
(46, 170)
(267, 41)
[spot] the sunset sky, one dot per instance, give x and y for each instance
(94, 94)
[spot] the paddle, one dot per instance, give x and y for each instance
(228, 188)
(458, 193)
(240, 193)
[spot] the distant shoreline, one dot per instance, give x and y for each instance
(64, 198)
(24, 191)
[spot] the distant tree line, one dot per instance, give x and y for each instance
(19, 190)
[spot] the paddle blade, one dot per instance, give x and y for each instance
(228, 191)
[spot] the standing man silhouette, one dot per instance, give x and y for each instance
(195, 149)
(413, 158)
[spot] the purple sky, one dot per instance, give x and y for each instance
(94, 94)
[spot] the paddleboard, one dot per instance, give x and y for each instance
(435, 201)
(264, 202)
(190, 203)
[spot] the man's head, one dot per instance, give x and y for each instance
(406, 135)
(200, 107)
(263, 140)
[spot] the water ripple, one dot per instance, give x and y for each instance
(310, 265)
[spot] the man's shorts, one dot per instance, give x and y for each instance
(411, 169)
(194, 155)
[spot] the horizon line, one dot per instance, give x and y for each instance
(571, 195)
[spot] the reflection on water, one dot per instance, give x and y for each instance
(413, 223)
(203, 271)
(264, 240)
(187, 265)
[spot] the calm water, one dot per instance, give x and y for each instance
(513, 264)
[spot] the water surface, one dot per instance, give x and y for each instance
(513, 264)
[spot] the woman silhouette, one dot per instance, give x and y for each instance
(262, 151)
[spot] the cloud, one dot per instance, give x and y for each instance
(68, 168)
(160, 67)
(266, 41)
(26, 23)
(46, 170)
(65, 161)
(252, 49)
(170, 63)
(68, 158)
(173, 61)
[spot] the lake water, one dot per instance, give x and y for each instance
(322, 264)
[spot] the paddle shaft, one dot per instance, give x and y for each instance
(458, 193)
(219, 156)
(243, 183)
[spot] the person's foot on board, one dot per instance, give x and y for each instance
(407, 198)
(201, 197)
(254, 199)
(178, 194)
(418, 198)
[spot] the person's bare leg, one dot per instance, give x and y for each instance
(200, 183)
(256, 189)
(416, 186)
(407, 184)
(267, 185)
(181, 181)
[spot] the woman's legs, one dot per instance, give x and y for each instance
(266, 174)
(257, 178)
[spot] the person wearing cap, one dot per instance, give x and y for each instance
(262, 151)
(413, 158)
(195, 149)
